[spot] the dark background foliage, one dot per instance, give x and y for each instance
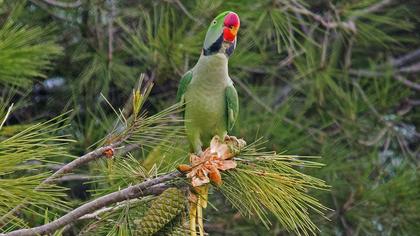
(337, 79)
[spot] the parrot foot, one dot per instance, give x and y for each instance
(234, 143)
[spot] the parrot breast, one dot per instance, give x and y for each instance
(205, 109)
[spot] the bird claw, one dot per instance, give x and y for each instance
(235, 144)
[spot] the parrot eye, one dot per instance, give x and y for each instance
(214, 22)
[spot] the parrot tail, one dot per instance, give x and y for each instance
(196, 210)
(193, 217)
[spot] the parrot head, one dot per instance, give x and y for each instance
(221, 35)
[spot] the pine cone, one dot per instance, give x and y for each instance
(176, 227)
(165, 208)
(178, 231)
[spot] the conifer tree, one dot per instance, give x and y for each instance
(90, 137)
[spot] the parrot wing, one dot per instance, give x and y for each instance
(232, 106)
(183, 84)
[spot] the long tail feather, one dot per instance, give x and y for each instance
(203, 193)
(200, 216)
(193, 217)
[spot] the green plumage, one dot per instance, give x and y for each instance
(211, 101)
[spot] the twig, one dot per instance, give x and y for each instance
(367, 73)
(252, 95)
(401, 79)
(411, 69)
(7, 115)
(414, 102)
(407, 82)
(373, 8)
(44, 7)
(96, 214)
(100, 152)
(369, 104)
(55, 3)
(311, 131)
(75, 177)
(289, 59)
(282, 95)
(111, 18)
(406, 58)
(376, 139)
(187, 13)
(348, 24)
(151, 187)
(324, 48)
(403, 60)
(297, 7)
(301, 23)
(348, 54)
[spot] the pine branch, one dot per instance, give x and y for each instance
(55, 3)
(407, 82)
(120, 205)
(411, 69)
(373, 8)
(88, 157)
(101, 151)
(69, 167)
(151, 187)
(400, 61)
(74, 177)
(187, 13)
(311, 131)
(349, 24)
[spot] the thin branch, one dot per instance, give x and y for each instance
(55, 3)
(44, 7)
(151, 187)
(348, 54)
(373, 8)
(324, 48)
(7, 115)
(366, 73)
(349, 24)
(75, 177)
(376, 139)
(253, 96)
(414, 102)
(111, 18)
(88, 157)
(411, 69)
(311, 131)
(187, 13)
(369, 104)
(406, 58)
(96, 214)
(399, 78)
(298, 8)
(407, 82)
(303, 27)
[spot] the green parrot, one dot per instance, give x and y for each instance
(211, 100)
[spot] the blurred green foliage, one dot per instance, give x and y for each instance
(337, 79)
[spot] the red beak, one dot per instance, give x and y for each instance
(231, 27)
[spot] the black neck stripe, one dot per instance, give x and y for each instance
(214, 48)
